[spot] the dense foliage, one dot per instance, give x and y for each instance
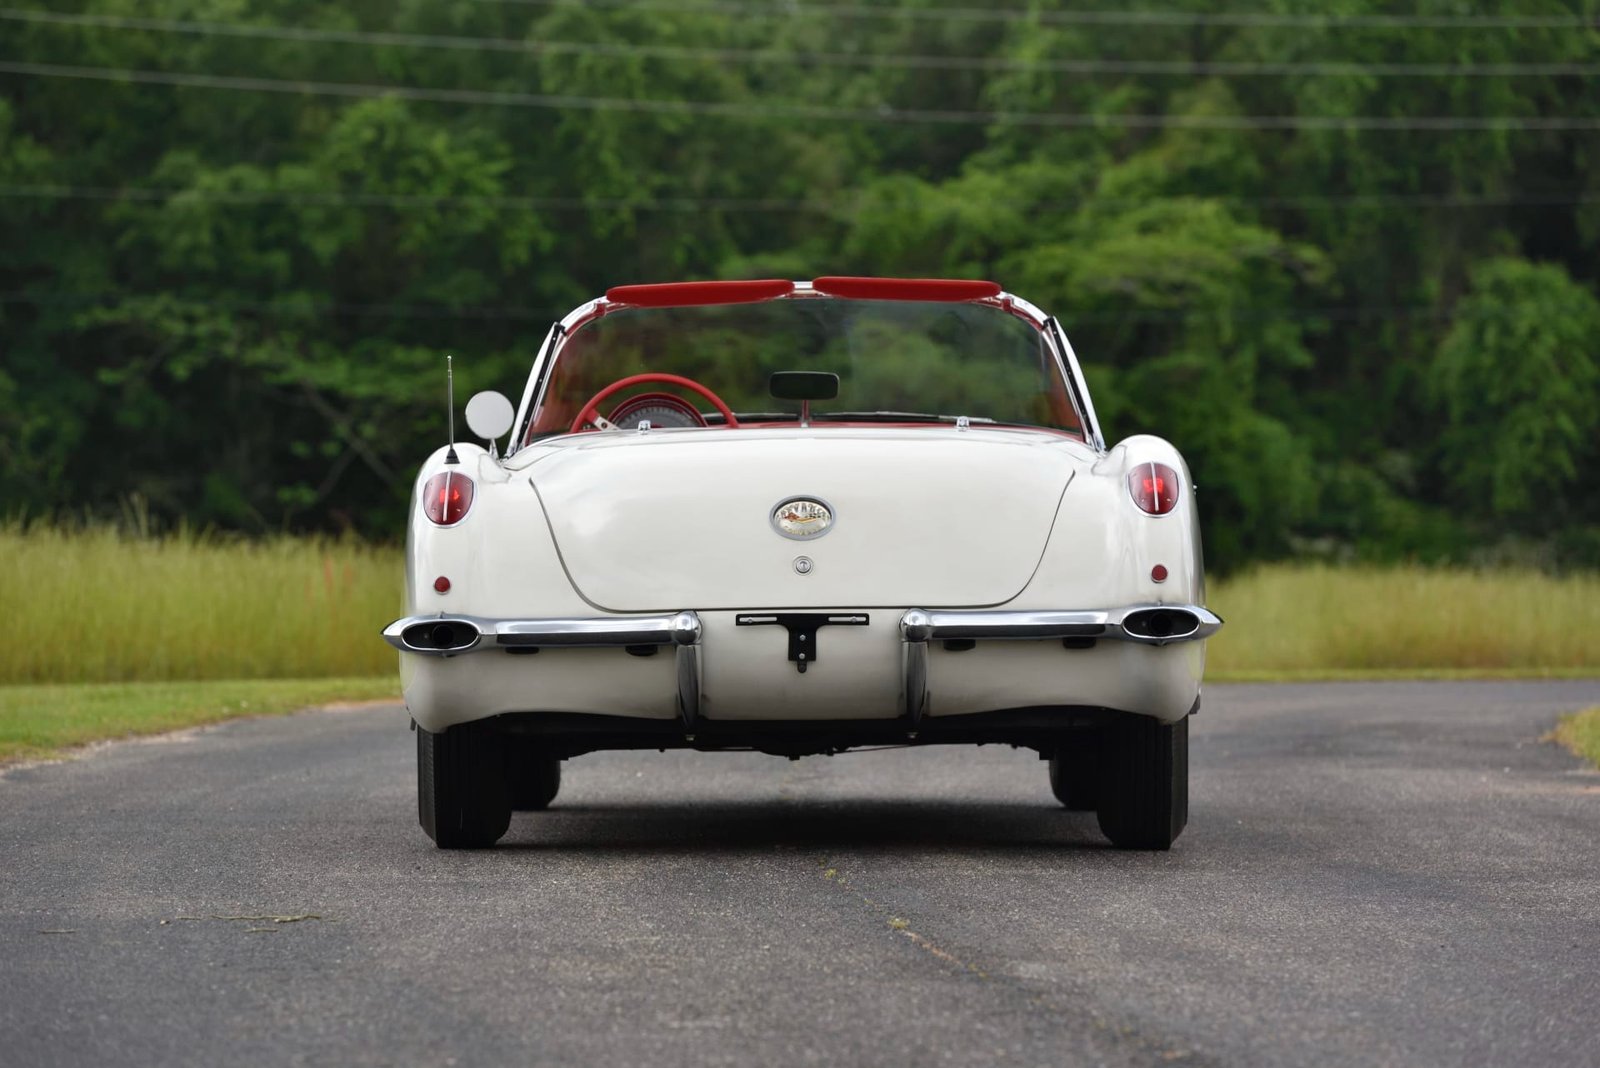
(1347, 264)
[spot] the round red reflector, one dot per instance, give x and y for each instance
(1154, 488)
(446, 497)
(442, 584)
(1157, 573)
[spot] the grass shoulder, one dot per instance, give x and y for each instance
(1580, 732)
(40, 721)
(1420, 674)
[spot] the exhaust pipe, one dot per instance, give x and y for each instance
(1161, 625)
(441, 636)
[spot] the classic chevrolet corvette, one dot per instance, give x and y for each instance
(802, 517)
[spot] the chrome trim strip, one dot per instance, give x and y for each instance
(920, 626)
(682, 629)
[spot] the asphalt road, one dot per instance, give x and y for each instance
(1372, 874)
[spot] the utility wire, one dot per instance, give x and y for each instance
(884, 114)
(292, 308)
(410, 200)
(1221, 68)
(510, 313)
(800, 10)
(842, 202)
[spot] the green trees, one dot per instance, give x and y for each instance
(1518, 377)
(1348, 268)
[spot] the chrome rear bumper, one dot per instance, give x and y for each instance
(1145, 624)
(446, 636)
(454, 635)
(1151, 624)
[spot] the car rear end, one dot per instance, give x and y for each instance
(808, 587)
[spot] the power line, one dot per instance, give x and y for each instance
(411, 200)
(294, 308)
(299, 309)
(1319, 68)
(801, 9)
(732, 109)
(843, 202)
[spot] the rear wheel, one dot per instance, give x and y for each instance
(462, 801)
(1074, 771)
(535, 778)
(1144, 794)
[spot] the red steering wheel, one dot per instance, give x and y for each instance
(590, 412)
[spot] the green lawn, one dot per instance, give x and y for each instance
(38, 721)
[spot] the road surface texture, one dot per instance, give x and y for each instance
(1373, 874)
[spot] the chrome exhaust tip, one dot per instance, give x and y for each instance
(440, 636)
(1161, 625)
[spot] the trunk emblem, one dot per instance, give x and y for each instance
(802, 518)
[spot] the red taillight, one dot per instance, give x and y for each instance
(446, 497)
(1154, 488)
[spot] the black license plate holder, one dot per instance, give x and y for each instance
(802, 628)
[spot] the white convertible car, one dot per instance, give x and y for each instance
(799, 518)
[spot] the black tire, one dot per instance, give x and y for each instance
(1144, 794)
(462, 801)
(535, 778)
(1074, 772)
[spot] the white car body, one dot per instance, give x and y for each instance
(976, 580)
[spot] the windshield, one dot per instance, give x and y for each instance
(897, 362)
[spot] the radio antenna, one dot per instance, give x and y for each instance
(450, 457)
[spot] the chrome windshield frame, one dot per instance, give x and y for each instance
(1049, 329)
(1075, 381)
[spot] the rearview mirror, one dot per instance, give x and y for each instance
(803, 385)
(489, 414)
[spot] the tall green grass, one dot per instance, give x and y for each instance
(95, 606)
(1300, 619)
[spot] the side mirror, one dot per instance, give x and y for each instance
(489, 415)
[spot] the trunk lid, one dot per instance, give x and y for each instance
(925, 516)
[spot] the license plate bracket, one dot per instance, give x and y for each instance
(802, 628)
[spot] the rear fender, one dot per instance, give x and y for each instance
(500, 559)
(1103, 548)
